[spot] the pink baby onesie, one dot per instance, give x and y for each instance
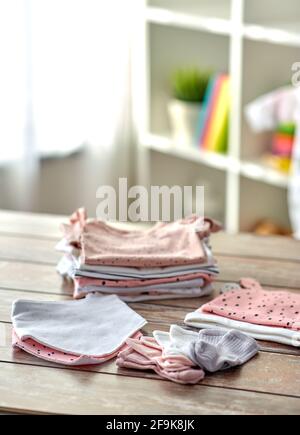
(166, 244)
(252, 304)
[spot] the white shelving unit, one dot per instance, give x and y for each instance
(256, 42)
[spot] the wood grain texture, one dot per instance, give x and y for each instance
(252, 246)
(29, 224)
(269, 384)
(248, 245)
(81, 392)
(41, 226)
(158, 316)
(43, 277)
(42, 250)
(284, 378)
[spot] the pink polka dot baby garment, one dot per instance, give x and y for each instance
(165, 244)
(89, 331)
(252, 304)
(58, 357)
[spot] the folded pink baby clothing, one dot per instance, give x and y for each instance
(252, 304)
(38, 350)
(193, 285)
(145, 354)
(170, 260)
(165, 244)
(132, 283)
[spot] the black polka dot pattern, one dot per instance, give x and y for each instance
(252, 304)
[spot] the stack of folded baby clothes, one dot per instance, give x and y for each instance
(74, 333)
(247, 307)
(170, 260)
(184, 356)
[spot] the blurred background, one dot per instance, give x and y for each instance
(157, 91)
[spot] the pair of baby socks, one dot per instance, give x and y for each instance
(184, 356)
(211, 350)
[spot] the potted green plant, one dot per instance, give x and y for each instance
(188, 90)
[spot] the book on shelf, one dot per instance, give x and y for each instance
(214, 119)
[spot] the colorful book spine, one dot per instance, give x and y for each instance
(215, 137)
(212, 99)
(205, 112)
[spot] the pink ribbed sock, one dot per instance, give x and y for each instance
(145, 354)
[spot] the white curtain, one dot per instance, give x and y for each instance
(64, 82)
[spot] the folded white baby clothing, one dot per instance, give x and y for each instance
(203, 320)
(88, 331)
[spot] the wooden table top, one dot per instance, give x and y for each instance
(269, 384)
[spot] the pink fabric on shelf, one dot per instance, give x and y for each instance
(165, 244)
(46, 353)
(252, 304)
(145, 354)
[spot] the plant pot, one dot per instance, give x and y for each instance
(184, 118)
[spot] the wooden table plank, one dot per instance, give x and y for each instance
(27, 249)
(268, 272)
(160, 317)
(268, 384)
(29, 225)
(164, 314)
(284, 378)
(32, 277)
(253, 246)
(43, 277)
(42, 226)
(79, 392)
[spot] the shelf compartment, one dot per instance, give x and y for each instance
(166, 146)
(256, 170)
(274, 35)
(273, 21)
(168, 52)
(251, 169)
(254, 207)
(207, 8)
(167, 17)
(282, 33)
